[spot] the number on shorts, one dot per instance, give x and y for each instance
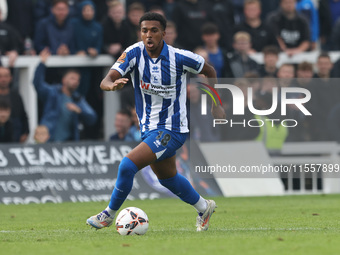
(166, 139)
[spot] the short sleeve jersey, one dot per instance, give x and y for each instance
(159, 85)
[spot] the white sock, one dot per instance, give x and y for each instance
(111, 212)
(201, 205)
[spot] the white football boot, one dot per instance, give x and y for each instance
(202, 221)
(101, 220)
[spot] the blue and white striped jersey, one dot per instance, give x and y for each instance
(160, 85)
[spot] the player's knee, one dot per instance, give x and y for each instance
(127, 168)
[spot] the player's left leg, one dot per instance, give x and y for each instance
(168, 176)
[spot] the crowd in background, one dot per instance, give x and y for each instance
(224, 32)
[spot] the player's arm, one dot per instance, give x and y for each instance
(209, 71)
(113, 81)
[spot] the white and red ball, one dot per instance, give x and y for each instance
(132, 220)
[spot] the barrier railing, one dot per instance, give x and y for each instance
(315, 161)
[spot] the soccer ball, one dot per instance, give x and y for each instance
(132, 220)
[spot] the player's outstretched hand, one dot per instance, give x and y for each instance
(112, 86)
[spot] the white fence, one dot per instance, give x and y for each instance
(314, 161)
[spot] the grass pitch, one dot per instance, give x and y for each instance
(258, 225)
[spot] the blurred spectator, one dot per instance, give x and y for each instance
(335, 36)
(304, 74)
(116, 30)
(20, 16)
(270, 58)
(325, 95)
(271, 133)
(63, 106)
(239, 132)
(307, 9)
(10, 41)
(135, 12)
(41, 134)
(201, 127)
(19, 118)
(168, 7)
(171, 35)
(260, 33)
(134, 130)
(222, 14)
(286, 74)
(122, 124)
(88, 41)
(333, 123)
(210, 37)
(238, 62)
(238, 10)
(325, 24)
(290, 28)
(6, 128)
(189, 17)
(56, 31)
(43, 8)
(324, 66)
(87, 32)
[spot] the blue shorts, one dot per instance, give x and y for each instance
(164, 143)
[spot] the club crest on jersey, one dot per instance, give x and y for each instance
(122, 57)
(155, 79)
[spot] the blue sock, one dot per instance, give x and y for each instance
(181, 187)
(126, 172)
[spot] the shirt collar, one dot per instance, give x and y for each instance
(162, 55)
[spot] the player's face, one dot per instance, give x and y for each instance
(152, 35)
(71, 81)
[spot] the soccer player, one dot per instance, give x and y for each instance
(158, 72)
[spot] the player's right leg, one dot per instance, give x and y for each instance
(168, 176)
(136, 159)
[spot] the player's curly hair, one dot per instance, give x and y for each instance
(153, 16)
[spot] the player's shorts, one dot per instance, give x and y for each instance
(164, 143)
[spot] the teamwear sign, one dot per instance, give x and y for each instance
(77, 172)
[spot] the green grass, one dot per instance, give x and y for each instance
(258, 225)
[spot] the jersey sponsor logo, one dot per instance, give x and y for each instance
(122, 57)
(165, 91)
(144, 85)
